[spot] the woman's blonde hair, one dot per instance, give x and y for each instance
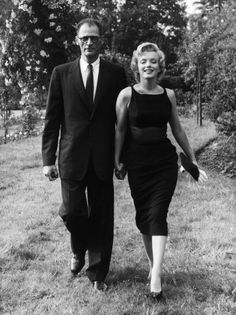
(148, 46)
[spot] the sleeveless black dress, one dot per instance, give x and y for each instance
(151, 160)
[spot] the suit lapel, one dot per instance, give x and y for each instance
(101, 85)
(77, 81)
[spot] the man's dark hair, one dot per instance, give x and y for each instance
(90, 22)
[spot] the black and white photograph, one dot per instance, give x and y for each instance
(118, 157)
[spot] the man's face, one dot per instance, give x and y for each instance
(88, 38)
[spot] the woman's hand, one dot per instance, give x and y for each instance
(202, 176)
(121, 126)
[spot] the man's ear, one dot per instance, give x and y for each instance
(77, 39)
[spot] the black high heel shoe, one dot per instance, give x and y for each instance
(156, 296)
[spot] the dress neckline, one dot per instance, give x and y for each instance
(164, 90)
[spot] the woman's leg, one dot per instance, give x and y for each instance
(147, 240)
(158, 249)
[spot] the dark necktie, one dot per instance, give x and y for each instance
(89, 83)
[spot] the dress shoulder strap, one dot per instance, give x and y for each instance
(167, 96)
(164, 90)
(131, 96)
(132, 90)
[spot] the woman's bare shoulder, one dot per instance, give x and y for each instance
(171, 95)
(125, 95)
(126, 92)
(170, 92)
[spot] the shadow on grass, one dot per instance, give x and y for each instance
(21, 257)
(201, 286)
(127, 274)
(39, 236)
(22, 253)
(31, 166)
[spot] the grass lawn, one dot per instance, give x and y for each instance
(199, 269)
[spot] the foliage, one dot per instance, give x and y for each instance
(226, 123)
(5, 8)
(220, 155)
(5, 112)
(127, 23)
(184, 102)
(39, 35)
(158, 21)
(207, 58)
(30, 104)
(122, 60)
(220, 80)
(208, 5)
(8, 94)
(29, 118)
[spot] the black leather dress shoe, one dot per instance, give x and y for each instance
(76, 264)
(99, 286)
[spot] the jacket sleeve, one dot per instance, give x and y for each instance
(123, 80)
(53, 119)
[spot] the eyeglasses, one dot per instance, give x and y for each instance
(85, 39)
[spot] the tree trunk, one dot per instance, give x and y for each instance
(197, 102)
(5, 113)
(200, 107)
(199, 96)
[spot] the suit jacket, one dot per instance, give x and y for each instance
(82, 132)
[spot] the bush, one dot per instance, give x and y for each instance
(220, 81)
(122, 60)
(184, 102)
(29, 119)
(226, 123)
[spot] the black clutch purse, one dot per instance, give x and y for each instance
(189, 166)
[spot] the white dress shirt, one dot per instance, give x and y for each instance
(84, 73)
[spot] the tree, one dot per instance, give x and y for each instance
(220, 80)
(5, 112)
(209, 5)
(208, 57)
(5, 9)
(158, 21)
(128, 23)
(106, 12)
(39, 36)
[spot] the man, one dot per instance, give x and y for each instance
(81, 108)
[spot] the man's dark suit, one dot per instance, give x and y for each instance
(86, 149)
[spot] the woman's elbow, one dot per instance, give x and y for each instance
(178, 132)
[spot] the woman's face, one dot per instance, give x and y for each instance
(148, 65)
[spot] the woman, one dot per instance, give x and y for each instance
(142, 147)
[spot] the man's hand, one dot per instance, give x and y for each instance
(51, 172)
